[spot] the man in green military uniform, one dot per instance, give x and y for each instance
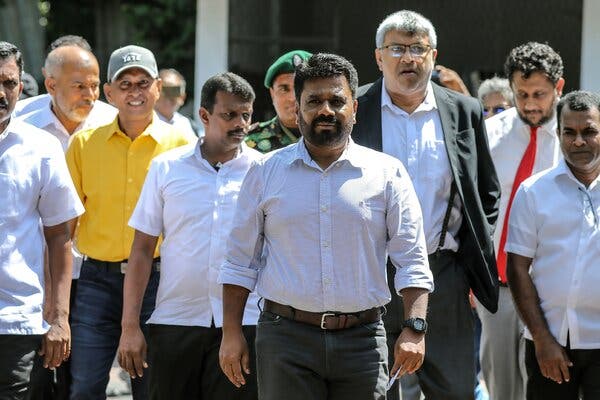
(282, 129)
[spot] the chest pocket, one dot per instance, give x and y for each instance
(434, 161)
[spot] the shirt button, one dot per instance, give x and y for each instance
(130, 180)
(326, 281)
(323, 208)
(325, 243)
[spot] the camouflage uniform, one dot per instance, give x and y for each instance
(270, 135)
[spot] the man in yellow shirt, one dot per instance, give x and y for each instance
(108, 166)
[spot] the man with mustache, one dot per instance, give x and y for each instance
(314, 224)
(108, 165)
(282, 129)
(72, 81)
(553, 251)
(39, 203)
(439, 135)
(523, 141)
(189, 198)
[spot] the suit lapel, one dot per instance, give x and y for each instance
(449, 117)
(369, 115)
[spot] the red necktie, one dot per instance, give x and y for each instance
(523, 172)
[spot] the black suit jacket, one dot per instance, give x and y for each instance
(472, 170)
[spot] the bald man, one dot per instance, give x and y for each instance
(72, 81)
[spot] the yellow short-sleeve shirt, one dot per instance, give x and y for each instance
(108, 170)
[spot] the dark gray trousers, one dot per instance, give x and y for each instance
(16, 361)
(297, 361)
(449, 367)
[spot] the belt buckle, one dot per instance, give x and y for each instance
(123, 267)
(323, 316)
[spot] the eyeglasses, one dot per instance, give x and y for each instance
(493, 110)
(416, 50)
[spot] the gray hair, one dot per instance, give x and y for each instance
(495, 85)
(408, 21)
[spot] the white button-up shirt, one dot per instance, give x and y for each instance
(37, 112)
(555, 220)
(508, 137)
(192, 205)
(318, 240)
(417, 139)
(35, 184)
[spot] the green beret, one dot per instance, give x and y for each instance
(284, 64)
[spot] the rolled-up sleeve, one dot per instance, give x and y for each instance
(244, 255)
(406, 239)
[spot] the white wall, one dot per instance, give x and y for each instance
(212, 21)
(590, 46)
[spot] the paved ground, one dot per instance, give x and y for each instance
(119, 387)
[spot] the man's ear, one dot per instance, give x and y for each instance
(355, 109)
(560, 84)
(297, 112)
(108, 92)
(203, 114)
(50, 84)
(378, 59)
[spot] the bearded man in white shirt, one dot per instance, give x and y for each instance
(189, 197)
(522, 142)
(71, 78)
(313, 228)
(553, 254)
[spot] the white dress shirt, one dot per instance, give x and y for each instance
(35, 185)
(192, 205)
(554, 219)
(318, 240)
(417, 139)
(508, 137)
(181, 123)
(37, 112)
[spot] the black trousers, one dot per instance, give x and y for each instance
(584, 374)
(16, 361)
(184, 363)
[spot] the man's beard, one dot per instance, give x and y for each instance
(326, 137)
(545, 117)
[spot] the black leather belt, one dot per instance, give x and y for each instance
(326, 320)
(120, 266)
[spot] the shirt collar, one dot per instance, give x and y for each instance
(548, 128)
(351, 154)
(562, 169)
(242, 154)
(157, 128)
(45, 117)
(428, 103)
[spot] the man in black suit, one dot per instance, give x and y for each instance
(440, 137)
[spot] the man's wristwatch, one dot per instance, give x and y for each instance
(418, 325)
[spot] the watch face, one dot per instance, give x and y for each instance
(419, 324)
